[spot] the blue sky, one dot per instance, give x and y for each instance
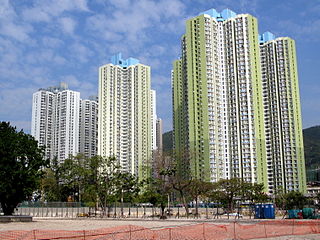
(43, 42)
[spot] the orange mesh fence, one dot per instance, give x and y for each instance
(301, 227)
(249, 231)
(203, 231)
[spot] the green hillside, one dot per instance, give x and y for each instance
(167, 141)
(311, 138)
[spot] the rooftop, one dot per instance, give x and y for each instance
(117, 60)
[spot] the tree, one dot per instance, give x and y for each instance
(254, 193)
(50, 188)
(66, 179)
(21, 164)
(294, 200)
(74, 172)
(107, 181)
(227, 190)
(181, 186)
(127, 187)
(155, 192)
(196, 189)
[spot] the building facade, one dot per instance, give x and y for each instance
(283, 125)
(88, 127)
(219, 103)
(42, 123)
(153, 120)
(56, 122)
(124, 128)
(159, 131)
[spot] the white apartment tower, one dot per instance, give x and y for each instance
(56, 122)
(42, 123)
(66, 127)
(124, 128)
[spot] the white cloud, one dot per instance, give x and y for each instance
(80, 52)
(43, 56)
(88, 89)
(120, 3)
(22, 125)
(59, 60)
(112, 37)
(160, 81)
(16, 103)
(6, 10)
(68, 25)
(44, 10)
(133, 20)
(35, 15)
(18, 32)
(302, 29)
(51, 42)
(71, 80)
(9, 24)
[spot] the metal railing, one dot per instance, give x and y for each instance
(76, 209)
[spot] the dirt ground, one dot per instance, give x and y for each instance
(86, 224)
(90, 224)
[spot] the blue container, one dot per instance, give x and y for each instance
(265, 210)
(268, 210)
(258, 211)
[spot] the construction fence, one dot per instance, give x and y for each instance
(202, 231)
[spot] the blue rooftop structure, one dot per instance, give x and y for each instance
(224, 15)
(117, 60)
(266, 36)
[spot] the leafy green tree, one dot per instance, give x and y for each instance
(127, 187)
(107, 181)
(294, 200)
(196, 189)
(279, 198)
(317, 200)
(66, 179)
(90, 193)
(181, 185)
(227, 191)
(156, 192)
(50, 188)
(21, 164)
(254, 193)
(74, 173)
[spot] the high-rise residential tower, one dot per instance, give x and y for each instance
(159, 130)
(42, 123)
(88, 127)
(153, 120)
(55, 121)
(124, 128)
(283, 126)
(63, 126)
(218, 102)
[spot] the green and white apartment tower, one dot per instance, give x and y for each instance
(125, 109)
(236, 107)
